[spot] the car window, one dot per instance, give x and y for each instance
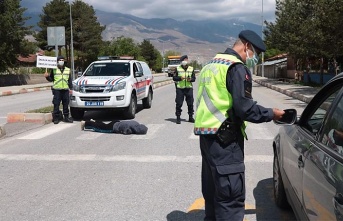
(108, 69)
(333, 129)
(315, 121)
(137, 67)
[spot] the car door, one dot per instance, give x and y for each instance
(323, 168)
(140, 80)
(300, 140)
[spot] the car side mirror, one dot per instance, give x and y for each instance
(138, 73)
(289, 118)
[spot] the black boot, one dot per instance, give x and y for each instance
(67, 119)
(178, 120)
(191, 119)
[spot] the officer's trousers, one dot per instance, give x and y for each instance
(180, 96)
(60, 95)
(223, 179)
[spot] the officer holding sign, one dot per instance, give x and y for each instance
(62, 83)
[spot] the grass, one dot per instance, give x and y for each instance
(47, 109)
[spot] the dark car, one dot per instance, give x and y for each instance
(308, 158)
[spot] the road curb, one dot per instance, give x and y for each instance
(38, 118)
(24, 90)
(289, 93)
(2, 131)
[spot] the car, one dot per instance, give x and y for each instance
(308, 157)
(112, 82)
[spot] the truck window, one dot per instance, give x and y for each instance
(108, 69)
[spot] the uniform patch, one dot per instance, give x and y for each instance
(247, 89)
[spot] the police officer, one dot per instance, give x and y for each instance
(183, 78)
(224, 103)
(62, 83)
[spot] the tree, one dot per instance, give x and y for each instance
(12, 33)
(149, 53)
(55, 13)
(86, 29)
(87, 33)
(121, 46)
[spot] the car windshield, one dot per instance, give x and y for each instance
(174, 62)
(108, 69)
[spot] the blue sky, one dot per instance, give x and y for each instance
(245, 10)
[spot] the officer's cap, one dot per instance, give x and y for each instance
(183, 57)
(60, 57)
(253, 39)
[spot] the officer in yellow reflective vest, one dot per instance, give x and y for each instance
(223, 103)
(184, 76)
(62, 83)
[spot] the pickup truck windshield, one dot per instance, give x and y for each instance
(108, 69)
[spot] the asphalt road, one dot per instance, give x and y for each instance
(58, 172)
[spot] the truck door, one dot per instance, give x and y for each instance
(140, 84)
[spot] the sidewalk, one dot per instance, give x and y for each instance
(9, 90)
(297, 91)
(300, 92)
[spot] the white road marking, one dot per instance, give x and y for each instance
(259, 132)
(89, 136)
(193, 136)
(122, 158)
(152, 129)
(46, 131)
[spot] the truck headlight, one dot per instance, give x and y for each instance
(120, 86)
(76, 87)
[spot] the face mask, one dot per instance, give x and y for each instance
(184, 63)
(60, 63)
(251, 62)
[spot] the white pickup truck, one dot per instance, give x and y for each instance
(112, 83)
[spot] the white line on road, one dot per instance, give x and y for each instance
(122, 158)
(89, 136)
(46, 131)
(259, 132)
(152, 129)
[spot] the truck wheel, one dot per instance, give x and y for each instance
(77, 113)
(130, 112)
(279, 189)
(148, 100)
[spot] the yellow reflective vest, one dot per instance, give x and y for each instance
(213, 99)
(61, 79)
(186, 74)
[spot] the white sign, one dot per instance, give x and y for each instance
(56, 35)
(46, 62)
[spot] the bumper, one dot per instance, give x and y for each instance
(98, 101)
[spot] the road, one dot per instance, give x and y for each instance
(20, 103)
(58, 172)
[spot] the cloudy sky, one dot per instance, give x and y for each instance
(245, 10)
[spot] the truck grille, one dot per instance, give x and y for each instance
(95, 98)
(94, 89)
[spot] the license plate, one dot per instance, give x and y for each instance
(94, 103)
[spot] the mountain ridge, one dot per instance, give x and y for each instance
(201, 40)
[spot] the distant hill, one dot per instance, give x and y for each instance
(201, 40)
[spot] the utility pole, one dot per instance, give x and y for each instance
(262, 66)
(71, 44)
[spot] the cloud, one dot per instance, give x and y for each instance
(245, 10)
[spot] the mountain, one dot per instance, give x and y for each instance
(201, 40)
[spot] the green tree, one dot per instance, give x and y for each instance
(55, 13)
(307, 29)
(87, 33)
(12, 33)
(150, 54)
(121, 46)
(86, 29)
